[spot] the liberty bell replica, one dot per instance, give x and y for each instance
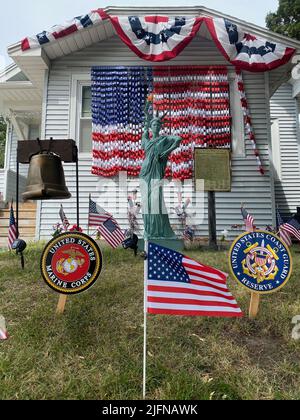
(46, 178)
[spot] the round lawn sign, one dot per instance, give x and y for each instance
(261, 262)
(71, 263)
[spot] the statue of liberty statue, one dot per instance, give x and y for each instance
(157, 151)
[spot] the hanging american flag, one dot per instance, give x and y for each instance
(283, 233)
(64, 219)
(292, 227)
(12, 231)
(108, 227)
(248, 219)
(178, 285)
(195, 99)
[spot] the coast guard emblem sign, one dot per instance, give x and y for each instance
(71, 263)
(261, 262)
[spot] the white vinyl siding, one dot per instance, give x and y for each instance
(2, 175)
(284, 109)
(248, 185)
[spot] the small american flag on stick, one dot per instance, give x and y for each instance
(12, 231)
(108, 227)
(248, 220)
(64, 219)
(283, 233)
(292, 227)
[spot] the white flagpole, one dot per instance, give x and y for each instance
(145, 319)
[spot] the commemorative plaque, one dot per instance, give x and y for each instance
(213, 166)
(71, 263)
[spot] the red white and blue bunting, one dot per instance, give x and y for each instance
(156, 38)
(162, 38)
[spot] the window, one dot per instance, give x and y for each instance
(238, 125)
(275, 133)
(33, 131)
(81, 113)
(85, 123)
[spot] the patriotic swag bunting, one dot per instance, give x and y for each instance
(162, 38)
(195, 99)
(244, 50)
(156, 38)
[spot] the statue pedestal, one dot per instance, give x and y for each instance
(174, 244)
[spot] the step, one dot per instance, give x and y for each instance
(22, 215)
(24, 230)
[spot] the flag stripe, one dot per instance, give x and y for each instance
(189, 297)
(202, 313)
(200, 292)
(189, 307)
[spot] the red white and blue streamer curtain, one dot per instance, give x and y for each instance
(118, 102)
(196, 100)
(198, 106)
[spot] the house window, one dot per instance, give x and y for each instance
(34, 131)
(275, 133)
(238, 125)
(81, 113)
(85, 120)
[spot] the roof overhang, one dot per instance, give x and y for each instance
(34, 62)
(19, 97)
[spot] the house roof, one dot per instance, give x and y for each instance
(34, 62)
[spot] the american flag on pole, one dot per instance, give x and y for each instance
(178, 285)
(64, 219)
(107, 225)
(283, 233)
(292, 227)
(12, 231)
(248, 219)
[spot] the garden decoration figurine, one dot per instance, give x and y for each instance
(157, 151)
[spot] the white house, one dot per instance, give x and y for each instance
(47, 93)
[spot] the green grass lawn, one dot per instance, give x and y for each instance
(95, 350)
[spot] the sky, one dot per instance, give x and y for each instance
(25, 18)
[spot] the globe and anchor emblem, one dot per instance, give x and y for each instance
(260, 262)
(69, 265)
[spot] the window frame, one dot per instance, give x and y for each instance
(79, 81)
(238, 134)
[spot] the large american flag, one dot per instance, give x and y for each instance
(107, 225)
(248, 219)
(12, 231)
(292, 227)
(178, 285)
(283, 233)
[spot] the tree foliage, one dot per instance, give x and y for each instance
(286, 20)
(2, 141)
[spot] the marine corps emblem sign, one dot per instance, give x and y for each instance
(260, 262)
(71, 263)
